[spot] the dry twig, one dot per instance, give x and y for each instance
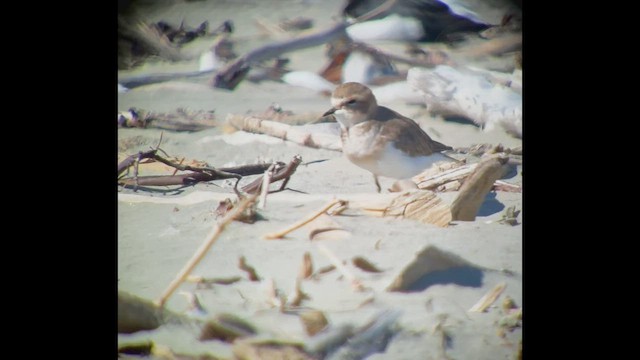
(250, 270)
(281, 173)
(354, 280)
(266, 180)
(283, 233)
(210, 239)
(306, 270)
(488, 299)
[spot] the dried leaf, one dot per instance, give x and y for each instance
(364, 265)
(251, 272)
(306, 270)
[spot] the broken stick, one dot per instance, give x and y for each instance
(283, 233)
(206, 245)
(356, 283)
(488, 299)
(281, 173)
(475, 188)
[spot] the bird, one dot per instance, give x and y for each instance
(379, 139)
(418, 20)
(427, 20)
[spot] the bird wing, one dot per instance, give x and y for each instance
(412, 139)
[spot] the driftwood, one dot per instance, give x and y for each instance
(203, 174)
(234, 73)
(206, 173)
(421, 205)
(437, 179)
(473, 96)
(475, 188)
(425, 206)
(281, 172)
(180, 120)
(243, 170)
(299, 134)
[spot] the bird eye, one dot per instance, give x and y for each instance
(352, 101)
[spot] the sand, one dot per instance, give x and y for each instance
(158, 232)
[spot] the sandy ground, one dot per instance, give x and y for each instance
(156, 239)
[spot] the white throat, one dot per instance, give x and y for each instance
(347, 117)
(344, 118)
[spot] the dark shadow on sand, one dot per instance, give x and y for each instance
(490, 206)
(461, 275)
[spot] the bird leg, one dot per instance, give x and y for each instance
(375, 178)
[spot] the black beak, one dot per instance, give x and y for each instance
(330, 111)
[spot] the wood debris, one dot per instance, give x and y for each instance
(314, 321)
(365, 265)
(250, 270)
(474, 97)
(475, 188)
(488, 299)
(201, 172)
(306, 269)
(313, 216)
(510, 216)
(323, 270)
(422, 205)
(297, 295)
(302, 135)
(227, 328)
(324, 227)
(268, 349)
(210, 239)
(280, 172)
(207, 283)
(355, 282)
(182, 119)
